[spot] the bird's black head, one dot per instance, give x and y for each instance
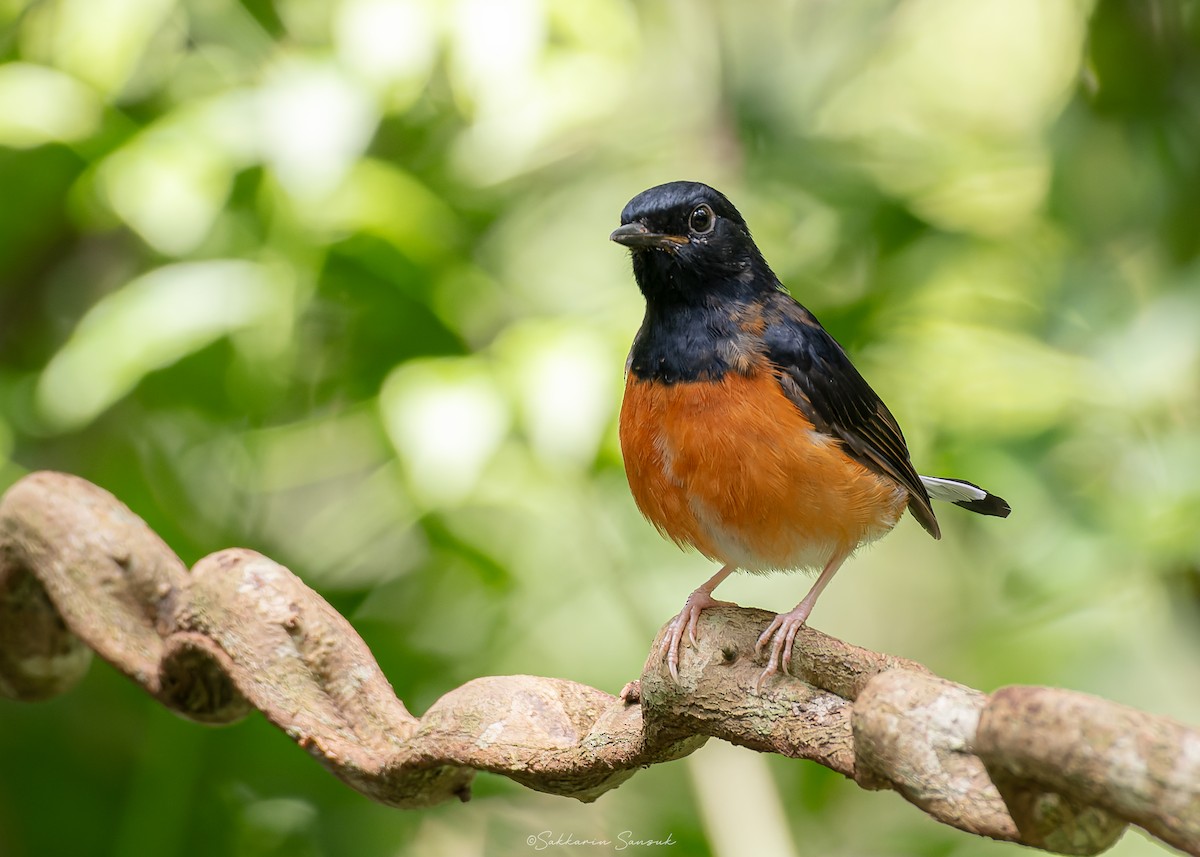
(690, 246)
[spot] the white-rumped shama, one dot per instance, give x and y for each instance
(746, 431)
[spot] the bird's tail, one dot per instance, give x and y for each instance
(966, 494)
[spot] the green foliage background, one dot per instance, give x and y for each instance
(331, 280)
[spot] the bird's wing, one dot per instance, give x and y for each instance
(819, 379)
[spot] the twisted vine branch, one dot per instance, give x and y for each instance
(79, 572)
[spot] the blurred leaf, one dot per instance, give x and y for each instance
(151, 323)
(44, 106)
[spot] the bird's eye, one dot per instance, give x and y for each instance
(702, 220)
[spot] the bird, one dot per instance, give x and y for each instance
(746, 431)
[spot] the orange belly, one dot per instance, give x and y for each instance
(734, 469)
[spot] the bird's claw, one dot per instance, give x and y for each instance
(697, 602)
(781, 634)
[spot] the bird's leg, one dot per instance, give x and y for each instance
(785, 626)
(698, 601)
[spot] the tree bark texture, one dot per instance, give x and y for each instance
(1054, 769)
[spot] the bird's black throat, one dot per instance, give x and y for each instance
(684, 344)
(693, 330)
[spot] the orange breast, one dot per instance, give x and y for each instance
(735, 470)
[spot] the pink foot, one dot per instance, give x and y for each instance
(783, 629)
(697, 602)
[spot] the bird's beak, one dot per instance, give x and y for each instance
(636, 236)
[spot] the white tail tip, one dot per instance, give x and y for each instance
(966, 494)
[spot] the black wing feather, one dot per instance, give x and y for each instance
(818, 377)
